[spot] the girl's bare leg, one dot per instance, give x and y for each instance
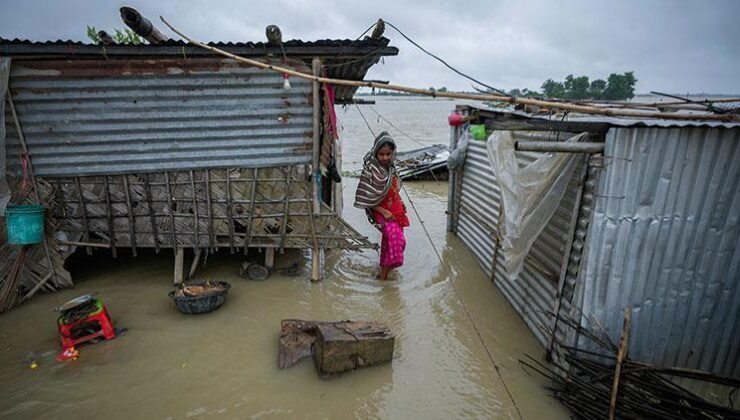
(383, 274)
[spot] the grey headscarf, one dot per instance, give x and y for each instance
(376, 179)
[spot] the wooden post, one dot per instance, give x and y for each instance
(451, 193)
(196, 219)
(179, 265)
(211, 241)
(315, 173)
(131, 218)
(286, 210)
(170, 201)
(269, 257)
(22, 139)
(228, 210)
(252, 197)
(196, 261)
(338, 193)
(109, 212)
(152, 218)
(83, 211)
(621, 355)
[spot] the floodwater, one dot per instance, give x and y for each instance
(224, 364)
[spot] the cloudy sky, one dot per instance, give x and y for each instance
(673, 46)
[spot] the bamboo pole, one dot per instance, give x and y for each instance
(196, 224)
(22, 139)
(109, 216)
(571, 107)
(148, 191)
(83, 211)
(210, 209)
(131, 218)
(173, 230)
(286, 210)
(229, 209)
(252, 197)
(623, 345)
(85, 244)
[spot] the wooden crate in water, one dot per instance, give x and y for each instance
(348, 345)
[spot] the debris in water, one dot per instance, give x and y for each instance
(194, 290)
(336, 346)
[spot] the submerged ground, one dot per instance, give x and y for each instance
(224, 364)
(169, 365)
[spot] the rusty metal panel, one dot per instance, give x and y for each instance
(86, 117)
(664, 237)
(533, 294)
(345, 59)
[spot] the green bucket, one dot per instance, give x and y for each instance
(478, 131)
(24, 224)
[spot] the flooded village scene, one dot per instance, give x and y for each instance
(515, 210)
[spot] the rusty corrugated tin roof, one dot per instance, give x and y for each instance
(344, 59)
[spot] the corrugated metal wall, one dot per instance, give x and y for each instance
(664, 237)
(533, 294)
(83, 117)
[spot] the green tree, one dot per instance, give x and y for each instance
(576, 87)
(553, 89)
(597, 89)
(515, 92)
(620, 87)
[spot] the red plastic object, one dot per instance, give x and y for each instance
(455, 119)
(99, 320)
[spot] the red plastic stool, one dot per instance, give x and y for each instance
(75, 330)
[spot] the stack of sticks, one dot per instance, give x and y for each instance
(584, 381)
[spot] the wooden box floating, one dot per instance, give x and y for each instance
(336, 346)
(348, 345)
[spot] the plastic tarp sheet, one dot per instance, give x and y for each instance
(457, 156)
(530, 194)
(4, 77)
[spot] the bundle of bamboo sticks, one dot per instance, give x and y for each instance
(605, 383)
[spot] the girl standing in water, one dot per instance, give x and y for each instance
(377, 193)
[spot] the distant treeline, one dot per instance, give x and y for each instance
(617, 87)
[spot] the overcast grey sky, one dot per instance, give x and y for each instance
(673, 46)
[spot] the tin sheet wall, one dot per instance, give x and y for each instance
(85, 117)
(533, 294)
(664, 238)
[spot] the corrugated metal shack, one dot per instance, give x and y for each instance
(171, 146)
(649, 219)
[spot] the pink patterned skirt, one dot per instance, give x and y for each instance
(392, 244)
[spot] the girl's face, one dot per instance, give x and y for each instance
(385, 155)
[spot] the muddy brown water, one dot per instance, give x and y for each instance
(224, 364)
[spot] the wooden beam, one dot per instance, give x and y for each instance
(83, 211)
(109, 215)
(547, 104)
(229, 216)
(195, 263)
(131, 218)
(179, 265)
(269, 258)
(171, 211)
(621, 355)
(152, 218)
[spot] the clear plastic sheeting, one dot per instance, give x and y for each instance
(530, 194)
(4, 190)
